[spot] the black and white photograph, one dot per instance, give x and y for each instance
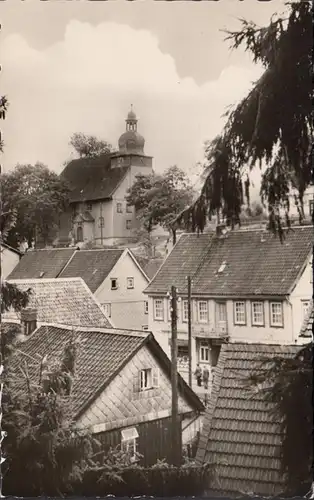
(157, 213)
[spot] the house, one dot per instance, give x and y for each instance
(308, 324)
(9, 259)
(99, 212)
(67, 300)
(121, 389)
(240, 434)
(246, 286)
(113, 275)
(308, 203)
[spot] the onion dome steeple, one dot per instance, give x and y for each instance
(131, 141)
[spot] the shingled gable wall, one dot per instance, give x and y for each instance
(122, 405)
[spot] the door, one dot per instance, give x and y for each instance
(79, 233)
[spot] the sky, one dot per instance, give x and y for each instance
(77, 66)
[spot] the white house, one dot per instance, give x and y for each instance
(247, 286)
(113, 275)
(9, 259)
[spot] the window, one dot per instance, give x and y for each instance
(159, 309)
(305, 307)
(128, 224)
(185, 311)
(107, 309)
(276, 318)
(114, 283)
(202, 311)
(101, 222)
(146, 307)
(258, 313)
(239, 313)
(129, 209)
(119, 208)
(89, 206)
(221, 312)
(204, 353)
(311, 207)
(129, 442)
(149, 378)
(130, 282)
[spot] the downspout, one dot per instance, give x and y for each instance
(290, 304)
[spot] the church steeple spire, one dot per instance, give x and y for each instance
(131, 121)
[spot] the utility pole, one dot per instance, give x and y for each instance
(101, 225)
(176, 424)
(190, 330)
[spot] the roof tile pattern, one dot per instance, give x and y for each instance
(93, 266)
(100, 356)
(36, 262)
(92, 178)
(255, 263)
(65, 301)
(240, 435)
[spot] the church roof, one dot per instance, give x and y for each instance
(93, 178)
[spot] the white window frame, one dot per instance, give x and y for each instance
(311, 207)
(261, 313)
(119, 207)
(159, 317)
(200, 320)
(185, 311)
(129, 442)
(203, 348)
(128, 224)
(305, 307)
(271, 314)
(129, 209)
(145, 306)
(148, 379)
(130, 282)
(238, 321)
(107, 309)
(114, 287)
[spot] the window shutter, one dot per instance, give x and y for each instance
(136, 382)
(155, 377)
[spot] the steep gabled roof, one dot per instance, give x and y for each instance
(68, 301)
(48, 263)
(103, 355)
(239, 434)
(92, 178)
(93, 266)
(241, 263)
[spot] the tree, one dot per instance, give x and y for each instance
(271, 125)
(88, 146)
(158, 199)
(289, 385)
(35, 197)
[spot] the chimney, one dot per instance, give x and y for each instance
(28, 321)
(220, 229)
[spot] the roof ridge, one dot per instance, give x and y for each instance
(46, 280)
(93, 329)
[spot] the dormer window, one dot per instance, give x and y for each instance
(119, 208)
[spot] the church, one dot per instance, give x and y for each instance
(99, 186)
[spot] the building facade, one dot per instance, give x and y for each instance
(247, 286)
(99, 211)
(10, 258)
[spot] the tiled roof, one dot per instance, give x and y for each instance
(240, 434)
(102, 356)
(152, 266)
(241, 263)
(92, 178)
(93, 266)
(67, 301)
(35, 262)
(307, 327)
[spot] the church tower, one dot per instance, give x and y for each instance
(131, 147)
